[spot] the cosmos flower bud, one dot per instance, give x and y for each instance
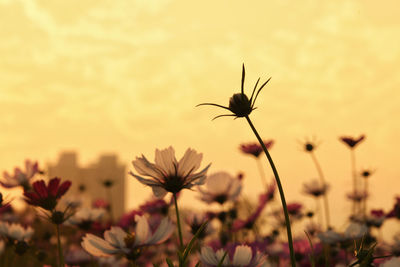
(240, 105)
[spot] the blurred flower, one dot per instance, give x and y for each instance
(355, 231)
(255, 149)
(84, 217)
(330, 237)
(2, 246)
(101, 204)
(239, 104)
(294, 209)
(366, 173)
(169, 175)
(117, 241)
(195, 221)
(350, 141)
(376, 218)
(393, 262)
(156, 206)
(242, 256)
(20, 177)
(312, 228)
(395, 212)
(315, 188)
(221, 187)
(76, 256)
(15, 231)
(44, 196)
(357, 196)
(128, 219)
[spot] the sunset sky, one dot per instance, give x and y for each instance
(124, 77)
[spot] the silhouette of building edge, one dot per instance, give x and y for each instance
(91, 178)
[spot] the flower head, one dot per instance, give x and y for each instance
(357, 196)
(44, 196)
(117, 241)
(221, 187)
(169, 175)
(239, 104)
(241, 256)
(352, 142)
(84, 217)
(315, 188)
(255, 149)
(15, 231)
(20, 177)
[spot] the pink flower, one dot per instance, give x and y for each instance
(255, 149)
(352, 142)
(20, 177)
(44, 196)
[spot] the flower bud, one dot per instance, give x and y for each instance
(240, 105)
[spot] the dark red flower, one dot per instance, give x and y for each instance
(255, 149)
(294, 208)
(44, 196)
(350, 141)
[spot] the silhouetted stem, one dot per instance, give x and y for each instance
(322, 178)
(365, 198)
(354, 175)
(281, 193)
(60, 251)
(178, 222)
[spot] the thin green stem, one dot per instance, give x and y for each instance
(281, 193)
(365, 198)
(322, 178)
(178, 221)
(60, 251)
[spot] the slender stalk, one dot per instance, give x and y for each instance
(318, 210)
(365, 198)
(281, 193)
(354, 175)
(60, 251)
(322, 178)
(262, 174)
(178, 222)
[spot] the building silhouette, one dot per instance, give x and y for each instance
(89, 181)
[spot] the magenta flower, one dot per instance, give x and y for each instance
(352, 142)
(294, 209)
(20, 177)
(44, 196)
(255, 149)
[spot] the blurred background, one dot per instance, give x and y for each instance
(123, 78)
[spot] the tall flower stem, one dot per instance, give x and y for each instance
(281, 193)
(178, 221)
(354, 175)
(60, 252)
(365, 198)
(322, 178)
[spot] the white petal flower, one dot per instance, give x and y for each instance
(330, 237)
(15, 231)
(356, 231)
(86, 215)
(242, 256)
(117, 241)
(169, 175)
(220, 187)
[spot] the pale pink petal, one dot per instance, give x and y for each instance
(142, 230)
(165, 159)
(158, 191)
(189, 163)
(162, 233)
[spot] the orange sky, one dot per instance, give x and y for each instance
(124, 76)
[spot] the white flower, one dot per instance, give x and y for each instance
(117, 241)
(393, 262)
(86, 215)
(243, 256)
(221, 187)
(356, 231)
(169, 175)
(330, 237)
(15, 231)
(315, 188)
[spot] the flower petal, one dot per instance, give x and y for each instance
(166, 160)
(144, 167)
(242, 256)
(159, 192)
(115, 236)
(142, 230)
(97, 246)
(207, 256)
(162, 233)
(189, 163)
